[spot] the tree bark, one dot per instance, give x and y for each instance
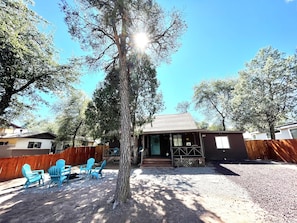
(123, 191)
(272, 130)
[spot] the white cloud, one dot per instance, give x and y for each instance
(288, 1)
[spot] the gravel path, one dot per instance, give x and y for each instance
(220, 193)
(273, 187)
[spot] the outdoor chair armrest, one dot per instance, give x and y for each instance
(38, 171)
(67, 168)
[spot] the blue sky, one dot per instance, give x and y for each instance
(222, 36)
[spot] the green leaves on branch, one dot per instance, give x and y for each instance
(266, 92)
(262, 97)
(145, 101)
(28, 65)
(214, 99)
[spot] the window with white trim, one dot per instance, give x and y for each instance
(222, 142)
(34, 145)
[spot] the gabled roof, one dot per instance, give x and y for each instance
(287, 126)
(40, 135)
(170, 123)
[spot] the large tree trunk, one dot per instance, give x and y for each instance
(75, 133)
(123, 191)
(272, 130)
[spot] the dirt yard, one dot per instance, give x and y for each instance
(228, 193)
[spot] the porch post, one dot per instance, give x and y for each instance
(201, 145)
(171, 151)
(143, 149)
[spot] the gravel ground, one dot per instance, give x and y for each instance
(273, 187)
(220, 193)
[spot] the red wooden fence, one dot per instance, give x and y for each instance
(11, 168)
(280, 150)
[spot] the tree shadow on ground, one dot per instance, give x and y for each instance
(218, 165)
(85, 200)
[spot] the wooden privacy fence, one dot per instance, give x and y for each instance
(11, 168)
(280, 150)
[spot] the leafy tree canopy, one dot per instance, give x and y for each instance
(266, 92)
(183, 106)
(214, 99)
(71, 117)
(28, 63)
(145, 101)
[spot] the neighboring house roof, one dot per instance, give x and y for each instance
(183, 122)
(6, 124)
(287, 126)
(40, 135)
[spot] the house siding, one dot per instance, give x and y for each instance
(237, 150)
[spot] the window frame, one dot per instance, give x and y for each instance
(293, 133)
(222, 142)
(34, 145)
(177, 140)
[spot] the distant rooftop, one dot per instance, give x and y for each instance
(39, 135)
(170, 123)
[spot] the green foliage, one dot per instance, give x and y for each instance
(214, 99)
(71, 117)
(103, 112)
(202, 125)
(107, 28)
(27, 61)
(183, 107)
(44, 125)
(145, 101)
(266, 91)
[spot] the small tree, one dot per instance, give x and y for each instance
(214, 99)
(71, 119)
(266, 92)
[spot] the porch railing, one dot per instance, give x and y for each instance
(187, 151)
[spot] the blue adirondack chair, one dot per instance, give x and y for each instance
(87, 167)
(98, 170)
(57, 177)
(65, 169)
(32, 176)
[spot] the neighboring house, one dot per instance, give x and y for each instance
(11, 129)
(176, 137)
(288, 131)
(26, 144)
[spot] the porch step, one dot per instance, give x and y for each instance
(156, 162)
